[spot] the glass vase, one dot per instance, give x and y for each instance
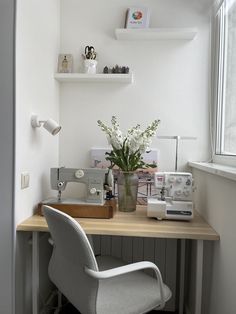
(127, 191)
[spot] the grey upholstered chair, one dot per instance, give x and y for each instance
(105, 285)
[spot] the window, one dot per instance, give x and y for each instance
(225, 92)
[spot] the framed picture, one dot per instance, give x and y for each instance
(137, 17)
(98, 157)
(65, 63)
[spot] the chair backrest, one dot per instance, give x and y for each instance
(71, 253)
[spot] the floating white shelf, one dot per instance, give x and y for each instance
(155, 33)
(82, 77)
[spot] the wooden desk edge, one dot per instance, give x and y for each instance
(37, 223)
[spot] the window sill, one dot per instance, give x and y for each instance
(217, 169)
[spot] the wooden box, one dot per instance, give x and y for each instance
(82, 210)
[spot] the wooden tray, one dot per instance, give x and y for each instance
(83, 210)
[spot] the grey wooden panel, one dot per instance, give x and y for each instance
(116, 246)
(127, 249)
(149, 252)
(171, 271)
(160, 256)
(137, 249)
(97, 244)
(105, 245)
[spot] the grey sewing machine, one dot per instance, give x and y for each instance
(98, 201)
(97, 182)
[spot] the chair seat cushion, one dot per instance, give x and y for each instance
(132, 293)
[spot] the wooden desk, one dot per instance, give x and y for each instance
(135, 224)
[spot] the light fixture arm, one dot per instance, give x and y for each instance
(35, 122)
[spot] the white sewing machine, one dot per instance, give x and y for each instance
(174, 200)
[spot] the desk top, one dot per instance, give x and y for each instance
(135, 224)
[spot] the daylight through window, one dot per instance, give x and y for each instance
(226, 83)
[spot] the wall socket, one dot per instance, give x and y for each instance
(25, 179)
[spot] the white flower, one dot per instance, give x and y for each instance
(133, 140)
(109, 139)
(127, 150)
(137, 140)
(116, 139)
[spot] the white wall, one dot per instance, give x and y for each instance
(171, 79)
(215, 199)
(37, 47)
(171, 83)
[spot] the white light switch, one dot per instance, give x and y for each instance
(25, 178)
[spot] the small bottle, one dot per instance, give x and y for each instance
(65, 65)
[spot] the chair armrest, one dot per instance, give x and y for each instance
(122, 270)
(110, 273)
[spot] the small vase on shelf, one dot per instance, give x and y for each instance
(90, 66)
(127, 191)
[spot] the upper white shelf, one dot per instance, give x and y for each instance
(82, 77)
(155, 33)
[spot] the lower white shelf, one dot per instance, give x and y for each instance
(82, 77)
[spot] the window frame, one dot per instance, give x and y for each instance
(219, 55)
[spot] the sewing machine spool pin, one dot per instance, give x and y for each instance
(162, 192)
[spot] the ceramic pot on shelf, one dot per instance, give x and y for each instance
(90, 66)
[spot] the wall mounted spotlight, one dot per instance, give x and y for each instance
(50, 125)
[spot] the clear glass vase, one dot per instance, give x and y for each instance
(127, 191)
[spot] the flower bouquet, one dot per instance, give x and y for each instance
(126, 154)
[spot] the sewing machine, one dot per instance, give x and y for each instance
(96, 202)
(174, 200)
(97, 181)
